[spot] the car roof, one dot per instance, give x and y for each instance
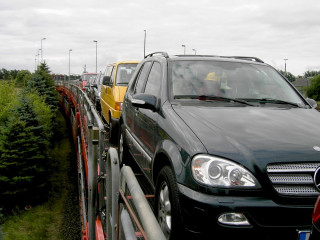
(206, 57)
(122, 62)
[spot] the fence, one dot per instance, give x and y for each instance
(112, 204)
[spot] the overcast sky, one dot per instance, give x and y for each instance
(272, 30)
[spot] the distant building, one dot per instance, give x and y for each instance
(301, 84)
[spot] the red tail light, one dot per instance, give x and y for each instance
(316, 212)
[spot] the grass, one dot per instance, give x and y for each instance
(58, 218)
(34, 224)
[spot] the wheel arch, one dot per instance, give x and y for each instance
(167, 155)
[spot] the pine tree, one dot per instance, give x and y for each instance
(23, 156)
(42, 82)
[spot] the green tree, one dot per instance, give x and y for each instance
(311, 74)
(313, 90)
(7, 99)
(288, 75)
(43, 83)
(22, 78)
(5, 74)
(24, 149)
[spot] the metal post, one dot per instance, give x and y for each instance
(92, 178)
(184, 46)
(96, 54)
(112, 189)
(144, 45)
(141, 204)
(42, 50)
(285, 65)
(39, 56)
(35, 62)
(69, 63)
(195, 51)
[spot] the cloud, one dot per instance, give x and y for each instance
(272, 30)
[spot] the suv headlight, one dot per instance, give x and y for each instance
(218, 172)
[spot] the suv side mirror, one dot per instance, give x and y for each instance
(145, 101)
(106, 80)
(312, 102)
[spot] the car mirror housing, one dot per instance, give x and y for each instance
(312, 102)
(145, 101)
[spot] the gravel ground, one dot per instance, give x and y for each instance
(67, 166)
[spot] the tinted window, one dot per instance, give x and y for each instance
(142, 77)
(154, 80)
(124, 73)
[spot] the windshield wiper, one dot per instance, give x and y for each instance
(219, 98)
(272, 100)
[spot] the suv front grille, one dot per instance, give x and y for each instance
(293, 178)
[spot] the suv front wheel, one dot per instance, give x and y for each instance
(167, 204)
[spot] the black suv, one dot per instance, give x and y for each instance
(229, 145)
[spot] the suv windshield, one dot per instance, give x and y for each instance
(233, 80)
(124, 72)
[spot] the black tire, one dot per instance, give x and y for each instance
(123, 148)
(167, 206)
(113, 135)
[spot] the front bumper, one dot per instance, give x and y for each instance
(200, 213)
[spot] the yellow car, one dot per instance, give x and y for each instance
(114, 86)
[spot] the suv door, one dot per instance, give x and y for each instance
(131, 111)
(146, 120)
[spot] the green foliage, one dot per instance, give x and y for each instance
(308, 74)
(23, 156)
(8, 74)
(313, 90)
(7, 100)
(42, 82)
(22, 78)
(288, 75)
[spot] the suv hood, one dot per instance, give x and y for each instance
(256, 136)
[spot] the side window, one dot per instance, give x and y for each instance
(108, 71)
(142, 77)
(112, 74)
(153, 85)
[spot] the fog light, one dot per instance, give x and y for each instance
(237, 219)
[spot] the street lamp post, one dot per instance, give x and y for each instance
(39, 50)
(184, 46)
(144, 44)
(35, 62)
(96, 55)
(42, 49)
(69, 63)
(285, 65)
(195, 51)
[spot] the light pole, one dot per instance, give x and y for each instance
(39, 50)
(144, 44)
(69, 63)
(195, 51)
(42, 49)
(184, 46)
(35, 62)
(285, 65)
(96, 54)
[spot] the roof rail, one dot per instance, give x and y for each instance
(254, 59)
(162, 53)
(193, 55)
